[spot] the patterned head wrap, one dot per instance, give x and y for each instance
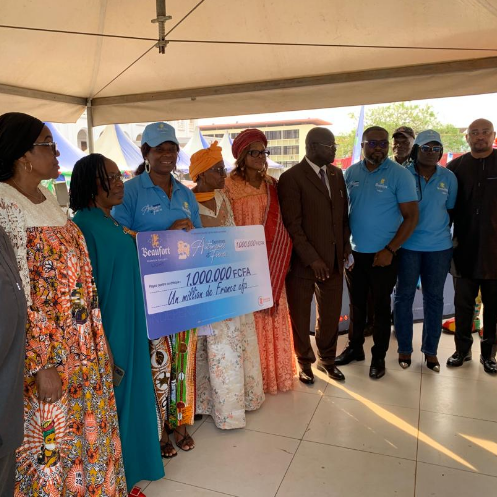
(245, 138)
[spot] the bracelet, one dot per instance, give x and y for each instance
(391, 250)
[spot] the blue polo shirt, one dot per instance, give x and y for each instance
(374, 198)
(436, 197)
(146, 207)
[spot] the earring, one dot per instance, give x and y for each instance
(30, 167)
(147, 166)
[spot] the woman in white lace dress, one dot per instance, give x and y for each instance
(229, 378)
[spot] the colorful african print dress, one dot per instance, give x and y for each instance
(229, 377)
(274, 335)
(114, 259)
(71, 447)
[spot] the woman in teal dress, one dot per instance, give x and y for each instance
(96, 186)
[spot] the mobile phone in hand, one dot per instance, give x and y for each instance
(117, 375)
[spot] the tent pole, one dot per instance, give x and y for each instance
(89, 120)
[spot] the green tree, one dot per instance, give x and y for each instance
(418, 117)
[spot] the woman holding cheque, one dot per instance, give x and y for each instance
(96, 187)
(254, 199)
(155, 200)
(229, 378)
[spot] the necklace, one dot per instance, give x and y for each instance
(40, 198)
(126, 231)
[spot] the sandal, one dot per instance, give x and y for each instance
(166, 449)
(183, 440)
(136, 492)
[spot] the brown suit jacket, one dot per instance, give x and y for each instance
(317, 223)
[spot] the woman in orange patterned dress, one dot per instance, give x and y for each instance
(71, 441)
(254, 199)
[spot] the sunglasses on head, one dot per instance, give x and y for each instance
(376, 143)
(427, 148)
(52, 145)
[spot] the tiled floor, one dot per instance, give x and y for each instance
(411, 434)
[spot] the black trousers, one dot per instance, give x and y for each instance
(299, 292)
(7, 474)
(466, 291)
(380, 280)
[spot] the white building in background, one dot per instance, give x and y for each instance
(77, 133)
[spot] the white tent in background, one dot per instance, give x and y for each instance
(183, 162)
(225, 144)
(115, 145)
(197, 142)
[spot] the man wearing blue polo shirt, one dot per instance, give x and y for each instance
(383, 212)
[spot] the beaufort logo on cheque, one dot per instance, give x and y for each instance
(183, 250)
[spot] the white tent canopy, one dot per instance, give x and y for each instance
(196, 142)
(230, 57)
(225, 145)
(115, 145)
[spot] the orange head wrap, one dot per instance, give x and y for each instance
(204, 159)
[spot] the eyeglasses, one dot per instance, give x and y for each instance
(484, 132)
(220, 170)
(114, 178)
(427, 148)
(333, 146)
(259, 153)
(376, 143)
(52, 145)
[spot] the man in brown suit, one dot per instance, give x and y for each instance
(314, 207)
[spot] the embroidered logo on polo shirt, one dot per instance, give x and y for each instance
(186, 208)
(380, 185)
(443, 188)
(151, 209)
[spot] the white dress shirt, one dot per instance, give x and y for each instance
(316, 169)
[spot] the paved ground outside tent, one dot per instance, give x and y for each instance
(413, 433)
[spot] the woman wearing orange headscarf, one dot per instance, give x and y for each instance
(229, 378)
(254, 199)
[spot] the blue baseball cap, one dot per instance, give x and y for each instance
(156, 133)
(427, 136)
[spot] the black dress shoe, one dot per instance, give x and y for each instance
(489, 365)
(457, 359)
(348, 355)
(306, 376)
(332, 371)
(377, 369)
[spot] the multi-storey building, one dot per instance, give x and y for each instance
(286, 139)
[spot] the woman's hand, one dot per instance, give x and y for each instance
(182, 224)
(49, 385)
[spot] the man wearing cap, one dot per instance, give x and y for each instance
(403, 141)
(313, 201)
(475, 243)
(428, 251)
(383, 212)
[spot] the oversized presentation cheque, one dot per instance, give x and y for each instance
(195, 278)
